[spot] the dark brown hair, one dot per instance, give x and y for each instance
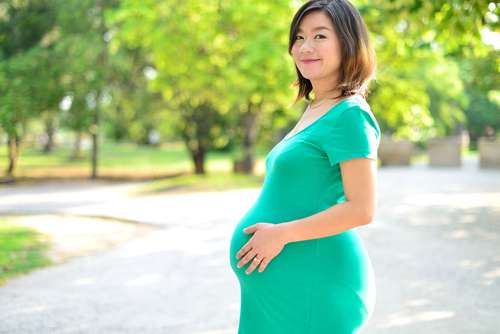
(357, 65)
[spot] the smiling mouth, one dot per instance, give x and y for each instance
(310, 61)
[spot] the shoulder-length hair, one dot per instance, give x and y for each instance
(357, 65)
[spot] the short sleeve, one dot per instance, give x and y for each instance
(354, 133)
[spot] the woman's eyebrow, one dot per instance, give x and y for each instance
(316, 29)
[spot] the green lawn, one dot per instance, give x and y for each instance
(169, 164)
(113, 158)
(116, 160)
(21, 250)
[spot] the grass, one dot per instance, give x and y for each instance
(22, 249)
(113, 159)
(169, 165)
(118, 161)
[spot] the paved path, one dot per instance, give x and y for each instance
(435, 246)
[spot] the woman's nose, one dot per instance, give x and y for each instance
(305, 47)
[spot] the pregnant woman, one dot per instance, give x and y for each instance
(300, 263)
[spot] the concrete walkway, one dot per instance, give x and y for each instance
(435, 247)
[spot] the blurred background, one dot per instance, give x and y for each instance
(148, 89)
(122, 117)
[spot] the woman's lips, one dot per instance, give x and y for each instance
(310, 61)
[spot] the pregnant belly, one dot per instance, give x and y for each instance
(292, 263)
(335, 260)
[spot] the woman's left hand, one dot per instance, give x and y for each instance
(267, 242)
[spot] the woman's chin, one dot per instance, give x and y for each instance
(311, 76)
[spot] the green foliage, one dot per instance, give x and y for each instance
(420, 92)
(224, 53)
(23, 24)
(21, 249)
(481, 76)
(212, 63)
(26, 79)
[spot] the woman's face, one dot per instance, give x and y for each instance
(316, 40)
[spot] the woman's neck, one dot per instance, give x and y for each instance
(319, 96)
(320, 93)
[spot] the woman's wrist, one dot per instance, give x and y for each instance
(286, 232)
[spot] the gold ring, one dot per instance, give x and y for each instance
(256, 259)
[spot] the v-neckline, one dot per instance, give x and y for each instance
(288, 137)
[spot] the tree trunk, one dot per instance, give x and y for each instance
(102, 63)
(13, 153)
(49, 131)
(199, 161)
(197, 151)
(95, 144)
(249, 123)
(196, 133)
(77, 147)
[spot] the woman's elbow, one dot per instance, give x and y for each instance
(366, 214)
(363, 211)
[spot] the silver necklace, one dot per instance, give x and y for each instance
(293, 132)
(319, 104)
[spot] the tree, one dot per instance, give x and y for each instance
(25, 28)
(481, 76)
(216, 61)
(420, 46)
(89, 76)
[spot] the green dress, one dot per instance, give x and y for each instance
(316, 286)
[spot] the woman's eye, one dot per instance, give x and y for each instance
(322, 36)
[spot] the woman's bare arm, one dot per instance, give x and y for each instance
(359, 177)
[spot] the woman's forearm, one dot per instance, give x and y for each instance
(334, 220)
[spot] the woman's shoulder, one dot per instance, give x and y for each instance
(356, 113)
(351, 106)
(357, 102)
